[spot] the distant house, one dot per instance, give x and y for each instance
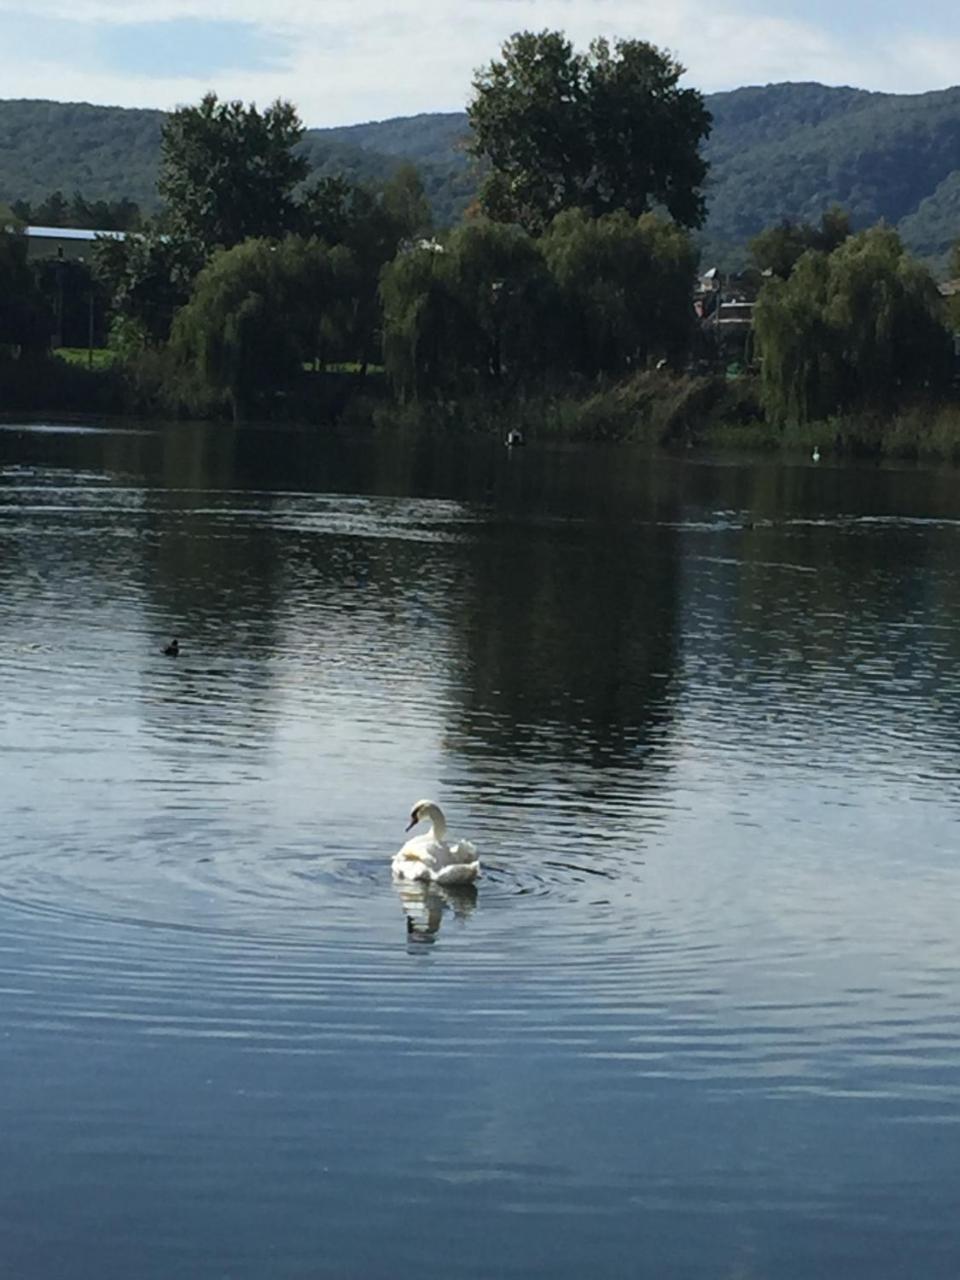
(425, 245)
(727, 302)
(64, 242)
(706, 293)
(736, 314)
(724, 311)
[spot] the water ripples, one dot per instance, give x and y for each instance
(686, 802)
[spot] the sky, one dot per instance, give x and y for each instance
(347, 61)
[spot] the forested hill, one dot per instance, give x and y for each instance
(793, 149)
(103, 152)
(786, 150)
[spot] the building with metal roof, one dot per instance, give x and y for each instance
(64, 242)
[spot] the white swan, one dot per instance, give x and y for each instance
(430, 857)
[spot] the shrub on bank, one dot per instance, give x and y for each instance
(159, 385)
(919, 432)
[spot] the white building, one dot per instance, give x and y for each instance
(64, 242)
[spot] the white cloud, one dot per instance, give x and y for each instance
(370, 59)
(933, 62)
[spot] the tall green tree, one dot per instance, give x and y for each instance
(778, 249)
(372, 222)
(53, 212)
(228, 171)
(603, 130)
(860, 329)
(147, 277)
(405, 203)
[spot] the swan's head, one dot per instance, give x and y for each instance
(426, 811)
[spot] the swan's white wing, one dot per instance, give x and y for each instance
(407, 866)
(424, 858)
(416, 860)
(424, 847)
(463, 851)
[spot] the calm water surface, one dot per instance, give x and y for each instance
(702, 1016)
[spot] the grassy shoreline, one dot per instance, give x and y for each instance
(657, 409)
(696, 413)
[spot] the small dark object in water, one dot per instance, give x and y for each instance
(172, 650)
(514, 438)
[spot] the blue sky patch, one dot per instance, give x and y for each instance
(191, 47)
(866, 22)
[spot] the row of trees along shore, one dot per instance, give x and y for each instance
(565, 295)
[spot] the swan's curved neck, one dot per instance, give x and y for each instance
(437, 821)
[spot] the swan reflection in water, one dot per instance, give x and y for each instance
(425, 904)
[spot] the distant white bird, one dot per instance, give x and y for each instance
(514, 438)
(816, 453)
(429, 857)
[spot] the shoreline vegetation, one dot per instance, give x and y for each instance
(656, 409)
(568, 303)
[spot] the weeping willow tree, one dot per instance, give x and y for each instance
(800, 361)
(625, 285)
(259, 311)
(416, 294)
(477, 312)
(859, 329)
(495, 308)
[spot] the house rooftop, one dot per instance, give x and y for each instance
(71, 233)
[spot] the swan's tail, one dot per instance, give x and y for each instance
(458, 873)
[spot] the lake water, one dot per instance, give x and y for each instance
(701, 1016)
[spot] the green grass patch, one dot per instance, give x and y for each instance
(343, 366)
(94, 358)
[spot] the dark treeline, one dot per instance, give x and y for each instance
(258, 291)
(98, 215)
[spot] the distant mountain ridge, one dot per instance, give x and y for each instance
(793, 150)
(782, 150)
